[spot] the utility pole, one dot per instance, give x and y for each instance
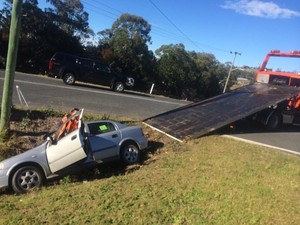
(10, 68)
(231, 66)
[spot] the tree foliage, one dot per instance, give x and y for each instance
(69, 15)
(187, 75)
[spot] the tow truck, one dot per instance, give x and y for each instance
(286, 111)
(265, 101)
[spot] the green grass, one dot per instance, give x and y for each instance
(211, 180)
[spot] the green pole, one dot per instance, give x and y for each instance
(11, 60)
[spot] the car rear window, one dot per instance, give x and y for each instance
(58, 57)
(100, 127)
(87, 63)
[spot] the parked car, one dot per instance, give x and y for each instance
(90, 144)
(71, 68)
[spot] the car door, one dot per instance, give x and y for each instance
(68, 150)
(87, 70)
(104, 139)
(102, 74)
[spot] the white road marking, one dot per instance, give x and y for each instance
(261, 144)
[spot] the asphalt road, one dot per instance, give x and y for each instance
(41, 91)
(286, 138)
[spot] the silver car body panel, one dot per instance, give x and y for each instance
(105, 146)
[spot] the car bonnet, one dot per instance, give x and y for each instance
(35, 154)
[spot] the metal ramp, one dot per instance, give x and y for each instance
(198, 119)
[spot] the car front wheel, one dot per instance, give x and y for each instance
(119, 87)
(130, 154)
(27, 178)
(69, 78)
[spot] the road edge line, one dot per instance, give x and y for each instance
(260, 144)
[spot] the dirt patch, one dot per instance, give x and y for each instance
(27, 130)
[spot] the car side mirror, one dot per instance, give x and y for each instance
(51, 141)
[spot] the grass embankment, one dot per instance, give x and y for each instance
(211, 180)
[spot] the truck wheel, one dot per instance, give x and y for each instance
(119, 87)
(26, 179)
(274, 121)
(69, 78)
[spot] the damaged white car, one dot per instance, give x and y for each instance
(88, 145)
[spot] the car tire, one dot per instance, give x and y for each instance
(274, 121)
(130, 154)
(119, 87)
(27, 178)
(69, 78)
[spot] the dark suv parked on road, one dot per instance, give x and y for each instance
(72, 68)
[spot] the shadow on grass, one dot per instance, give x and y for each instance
(17, 115)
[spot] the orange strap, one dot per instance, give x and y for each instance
(62, 129)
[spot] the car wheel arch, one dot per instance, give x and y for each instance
(127, 141)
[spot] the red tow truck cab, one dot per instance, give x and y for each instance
(267, 76)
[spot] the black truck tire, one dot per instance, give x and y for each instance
(274, 121)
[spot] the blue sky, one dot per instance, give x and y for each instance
(250, 27)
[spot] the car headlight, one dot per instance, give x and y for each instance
(1, 166)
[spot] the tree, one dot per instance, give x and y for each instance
(5, 16)
(42, 35)
(188, 75)
(178, 77)
(70, 16)
(212, 72)
(40, 39)
(125, 47)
